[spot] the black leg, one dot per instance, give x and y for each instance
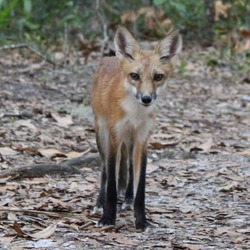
(122, 181)
(101, 197)
(109, 210)
(139, 203)
(129, 194)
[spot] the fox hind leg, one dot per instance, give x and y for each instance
(101, 141)
(140, 162)
(129, 193)
(109, 208)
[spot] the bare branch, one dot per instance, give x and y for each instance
(14, 46)
(28, 46)
(104, 25)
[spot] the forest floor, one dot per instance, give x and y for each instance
(198, 176)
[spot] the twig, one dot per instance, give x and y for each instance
(161, 27)
(87, 224)
(66, 43)
(118, 228)
(14, 46)
(43, 57)
(106, 228)
(104, 25)
(25, 211)
(28, 46)
(111, 10)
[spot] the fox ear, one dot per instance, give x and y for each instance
(125, 44)
(170, 46)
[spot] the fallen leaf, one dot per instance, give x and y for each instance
(73, 154)
(125, 241)
(58, 202)
(221, 9)
(162, 145)
(191, 66)
(36, 181)
(227, 188)
(76, 186)
(162, 136)
(193, 247)
(233, 234)
(74, 226)
(221, 230)
(26, 123)
(51, 153)
(4, 202)
(6, 241)
(234, 177)
(206, 146)
(12, 216)
(40, 244)
(64, 121)
(129, 16)
(46, 233)
(5, 151)
(73, 187)
(18, 230)
(246, 153)
(186, 209)
(30, 150)
(244, 231)
(151, 168)
(157, 210)
(91, 179)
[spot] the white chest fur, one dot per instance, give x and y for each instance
(137, 122)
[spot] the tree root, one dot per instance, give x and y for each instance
(74, 166)
(65, 168)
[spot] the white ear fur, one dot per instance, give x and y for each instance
(125, 44)
(170, 46)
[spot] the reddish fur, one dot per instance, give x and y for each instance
(108, 91)
(122, 119)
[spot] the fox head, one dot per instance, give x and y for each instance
(146, 72)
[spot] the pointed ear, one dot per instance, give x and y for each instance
(170, 46)
(125, 45)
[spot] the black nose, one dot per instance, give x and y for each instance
(146, 99)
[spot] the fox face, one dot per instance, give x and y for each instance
(146, 72)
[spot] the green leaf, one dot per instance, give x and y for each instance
(70, 4)
(27, 6)
(180, 6)
(2, 4)
(159, 2)
(4, 14)
(30, 25)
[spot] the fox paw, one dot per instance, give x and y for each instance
(127, 205)
(106, 221)
(145, 226)
(97, 210)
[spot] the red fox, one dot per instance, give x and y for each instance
(125, 90)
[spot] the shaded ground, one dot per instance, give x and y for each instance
(198, 177)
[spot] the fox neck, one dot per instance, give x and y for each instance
(135, 112)
(137, 121)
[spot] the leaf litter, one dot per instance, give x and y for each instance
(198, 175)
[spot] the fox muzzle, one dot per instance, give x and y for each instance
(147, 99)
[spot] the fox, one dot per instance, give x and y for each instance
(125, 90)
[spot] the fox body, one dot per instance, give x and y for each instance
(124, 94)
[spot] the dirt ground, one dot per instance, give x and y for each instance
(198, 176)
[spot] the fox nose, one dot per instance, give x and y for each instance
(146, 99)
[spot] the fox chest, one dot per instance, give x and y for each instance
(136, 124)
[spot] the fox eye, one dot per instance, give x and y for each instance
(134, 76)
(158, 77)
